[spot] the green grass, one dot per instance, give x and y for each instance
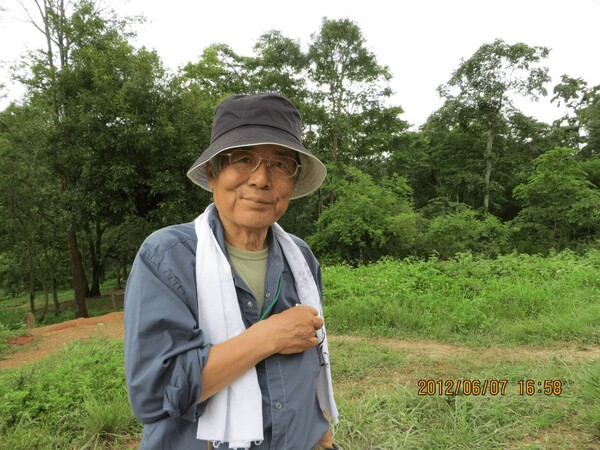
(514, 299)
(9, 332)
(76, 399)
(508, 314)
(381, 407)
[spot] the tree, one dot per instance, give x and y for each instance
(581, 123)
(463, 231)
(29, 210)
(454, 156)
(111, 128)
(219, 72)
(350, 84)
(561, 208)
(366, 221)
(483, 86)
(63, 30)
(524, 140)
(279, 65)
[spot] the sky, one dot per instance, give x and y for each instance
(421, 41)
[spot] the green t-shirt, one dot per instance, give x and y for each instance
(252, 268)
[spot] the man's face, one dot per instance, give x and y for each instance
(251, 202)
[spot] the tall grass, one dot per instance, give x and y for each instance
(511, 299)
(77, 394)
(588, 391)
(76, 400)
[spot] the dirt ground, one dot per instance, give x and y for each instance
(48, 339)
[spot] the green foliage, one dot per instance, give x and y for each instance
(591, 167)
(103, 137)
(347, 106)
(279, 66)
(588, 394)
(366, 221)
(511, 299)
(479, 99)
(77, 394)
(465, 231)
(560, 206)
(581, 123)
(485, 81)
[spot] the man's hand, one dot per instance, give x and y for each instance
(326, 441)
(293, 330)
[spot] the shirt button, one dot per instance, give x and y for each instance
(268, 295)
(250, 304)
(278, 405)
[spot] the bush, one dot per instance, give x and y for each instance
(366, 221)
(466, 231)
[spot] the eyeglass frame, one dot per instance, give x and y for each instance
(260, 159)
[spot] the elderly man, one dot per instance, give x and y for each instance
(224, 335)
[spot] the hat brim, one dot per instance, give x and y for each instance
(312, 173)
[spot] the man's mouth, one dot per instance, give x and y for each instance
(261, 201)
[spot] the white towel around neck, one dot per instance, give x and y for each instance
(234, 414)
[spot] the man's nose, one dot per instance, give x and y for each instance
(262, 175)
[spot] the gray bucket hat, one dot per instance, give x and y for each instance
(248, 120)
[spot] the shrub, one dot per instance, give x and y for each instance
(465, 231)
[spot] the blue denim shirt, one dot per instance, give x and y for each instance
(165, 351)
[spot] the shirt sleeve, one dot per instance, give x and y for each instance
(165, 351)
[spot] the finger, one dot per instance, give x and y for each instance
(317, 323)
(308, 309)
(327, 440)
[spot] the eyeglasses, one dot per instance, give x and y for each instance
(247, 161)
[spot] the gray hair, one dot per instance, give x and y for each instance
(215, 162)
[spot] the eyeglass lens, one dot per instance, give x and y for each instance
(248, 161)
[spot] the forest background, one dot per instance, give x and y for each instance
(93, 155)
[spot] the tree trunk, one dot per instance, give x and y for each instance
(95, 243)
(320, 208)
(334, 149)
(488, 169)
(119, 274)
(55, 295)
(78, 277)
(31, 291)
(46, 299)
(77, 273)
